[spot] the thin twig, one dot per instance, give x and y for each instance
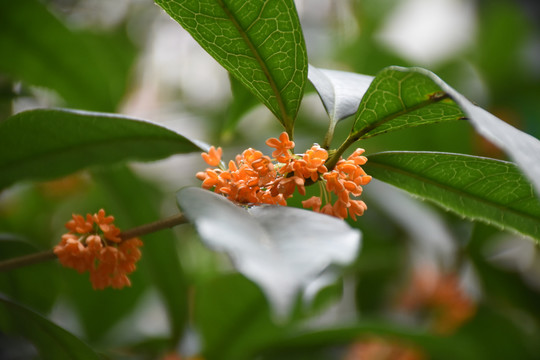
(153, 227)
(30, 259)
(145, 229)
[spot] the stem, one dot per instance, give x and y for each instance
(332, 161)
(329, 136)
(289, 129)
(145, 229)
(27, 260)
(355, 136)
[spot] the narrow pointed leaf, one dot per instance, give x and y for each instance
(44, 143)
(259, 42)
(340, 91)
(521, 147)
(399, 98)
(282, 249)
(51, 341)
(488, 190)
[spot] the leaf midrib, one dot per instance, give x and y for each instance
(259, 59)
(361, 134)
(453, 190)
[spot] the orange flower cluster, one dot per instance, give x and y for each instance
(93, 244)
(254, 178)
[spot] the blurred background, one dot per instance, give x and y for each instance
(443, 279)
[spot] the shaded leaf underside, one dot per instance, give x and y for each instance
(282, 249)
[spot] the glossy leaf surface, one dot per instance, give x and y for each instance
(259, 42)
(282, 249)
(482, 189)
(522, 148)
(399, 98)
(43, 144)
(404, 97)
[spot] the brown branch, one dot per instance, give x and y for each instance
(142, 230)
(153, 227)
(30, 259)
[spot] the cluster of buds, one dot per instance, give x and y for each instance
(93, 244)
(258, 179)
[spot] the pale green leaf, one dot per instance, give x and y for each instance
(282, 249)
(340, 91)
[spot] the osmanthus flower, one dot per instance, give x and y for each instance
(93, 244)
(254, 178)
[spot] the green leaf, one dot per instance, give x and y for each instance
(488, 190)
(282, 249)
(88, 70)
(52, 341)
(521, 147)
(259, 42)
(232, 317)
(43, 143)
(399, 98)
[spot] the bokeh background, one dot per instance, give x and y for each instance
(129, 57)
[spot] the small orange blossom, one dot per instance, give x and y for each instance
(254, 178)
(93, 244)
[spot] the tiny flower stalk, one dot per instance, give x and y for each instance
(254, 178)
(336, 155)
